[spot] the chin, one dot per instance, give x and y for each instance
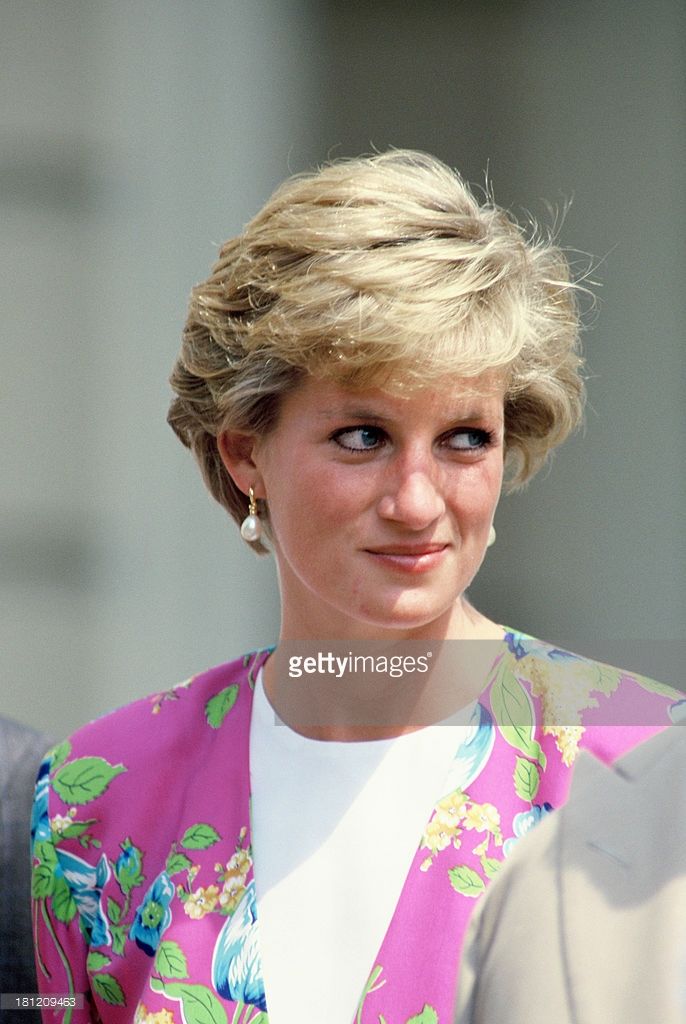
(413, 615)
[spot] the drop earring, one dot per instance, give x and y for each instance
(251, 527)
(491, 537)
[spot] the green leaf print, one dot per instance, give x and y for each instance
(374, 983)
(466, 881)
(42, 881)
(95, 961)
(218, 707)
(113, 910)
(76, 829)
(177, 862)
(170, 961)
(526, 779)
(109, 989)
(118, 938)
(514, 714)
(427, 1016)
(63, 904)
(199, 837)
(491, 866)
(198, 1004)
(44, 872)
(82, 780)
(46, 854)
(59, 754)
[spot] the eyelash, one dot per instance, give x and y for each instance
(485, 438)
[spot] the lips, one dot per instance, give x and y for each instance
(407, 549)
(409, 558)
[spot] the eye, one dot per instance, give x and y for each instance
(468, 440)
(359, 439)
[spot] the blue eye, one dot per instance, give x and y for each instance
(469, 440)
(358, 439)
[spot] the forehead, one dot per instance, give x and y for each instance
(459, 397)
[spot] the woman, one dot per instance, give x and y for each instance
(363, 364)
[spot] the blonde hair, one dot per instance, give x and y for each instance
(379, 271)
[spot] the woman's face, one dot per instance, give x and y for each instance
(380, 505)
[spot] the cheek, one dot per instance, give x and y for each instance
(312, 508)
(476, 494)
(339, 496)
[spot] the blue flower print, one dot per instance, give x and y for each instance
(86, 884)
(153, 916)
(128, 868)
(474, 751)
(521, 645)
(40, 822)
(524, 822)
(515, 644)
(236, 967)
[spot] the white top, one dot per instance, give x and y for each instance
(335, 828)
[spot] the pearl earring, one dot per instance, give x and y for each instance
(491, 537)
(251, 527)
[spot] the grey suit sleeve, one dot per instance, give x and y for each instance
(21, 750)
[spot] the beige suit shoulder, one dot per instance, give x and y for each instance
(587, 921)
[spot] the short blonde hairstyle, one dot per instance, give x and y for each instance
(381, 271)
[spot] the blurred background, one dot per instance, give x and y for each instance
(136, 137)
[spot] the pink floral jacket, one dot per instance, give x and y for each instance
(144, 898)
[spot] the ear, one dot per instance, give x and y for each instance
(235, 451)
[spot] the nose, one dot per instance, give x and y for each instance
(413, 499)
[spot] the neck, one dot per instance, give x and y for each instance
(460, 622)
(342, 688)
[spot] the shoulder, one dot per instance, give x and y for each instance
(171, 721)
(587, 702)
(665, 751)
(150, 756)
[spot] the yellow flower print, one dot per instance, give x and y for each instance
(483, 818)
(565, 694)
(451, 809)
(231, 894)
(437, 836)
(566, 740)
(201, 902)
(143, 1016)
(238, 866)
(59, 823)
